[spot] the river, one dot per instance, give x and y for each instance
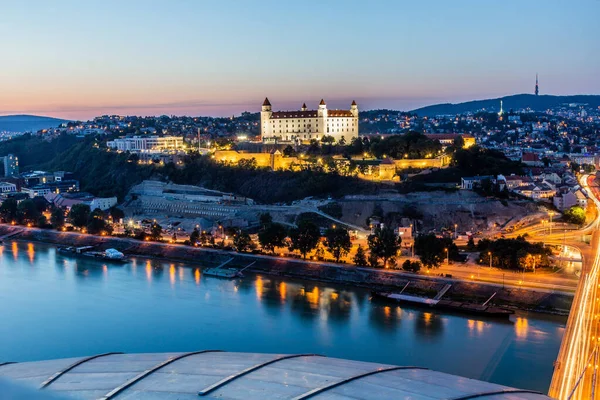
(54, 306)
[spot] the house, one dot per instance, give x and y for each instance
(532, 159)
(468, 183)
(564, 201)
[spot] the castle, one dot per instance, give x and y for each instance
(305, 125)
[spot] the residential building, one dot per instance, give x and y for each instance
(11, 165)
(304, 125)
(148, 144)
(68, 200)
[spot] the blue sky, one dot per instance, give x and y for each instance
(78, 59)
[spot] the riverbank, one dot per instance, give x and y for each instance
(373, 279)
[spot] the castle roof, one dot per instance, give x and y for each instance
(294, 114)
(266, 102)
(353, 102)
(339, 113)
(303, 105)
(322, 103)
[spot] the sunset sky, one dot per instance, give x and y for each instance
(78, 59)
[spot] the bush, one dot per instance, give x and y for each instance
(411, 266)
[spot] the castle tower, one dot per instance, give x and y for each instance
(265, 116)
(354, 109)
(322, 117)
(303, 107)
(537, 88)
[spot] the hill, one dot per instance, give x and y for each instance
(517, 101)
(28, 123)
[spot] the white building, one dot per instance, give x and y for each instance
(103, 203)
(147, 144)
(6, 187)
(304, 125)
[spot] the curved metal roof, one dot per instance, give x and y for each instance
(214, 374)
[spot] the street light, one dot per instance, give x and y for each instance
(447, 256)
(551, 214)
(490, 256)
(455, 227)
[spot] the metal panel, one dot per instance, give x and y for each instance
(322, 389)
(504, 391)
(144, 374)
(230, 378)
(60, 373)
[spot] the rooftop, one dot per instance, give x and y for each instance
(214, 374)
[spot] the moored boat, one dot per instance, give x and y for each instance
(110, 255)
(447, 305)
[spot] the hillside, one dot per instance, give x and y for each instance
(517, 101)
(28, 123)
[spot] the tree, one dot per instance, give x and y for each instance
(27, 212)
(412, 266)
(360, 259)
(8, 210)
(97, 224)
(242, 241)
(156, 232)
(57, 218)
(116, 213)
(384, 243)
(305, 237)
(271, 236)
(265, 219)
(328, 139)
(79, 215)
(289, 151)
(575, 215)
(373, 260)
(430, 249)
(194, 236)
(338, 242)
(471, 243)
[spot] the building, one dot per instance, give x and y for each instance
(305, 125)
(6, 187)
(148, 144)
(51, 187)
(11, 165)
(68, 200)
(469, 183)
(447, 139)
(213, 374)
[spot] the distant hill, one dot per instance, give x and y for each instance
(28, 123)
(517, 101)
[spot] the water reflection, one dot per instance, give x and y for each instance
(428, 325)
(521, 328)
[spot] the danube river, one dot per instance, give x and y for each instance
(52, 306)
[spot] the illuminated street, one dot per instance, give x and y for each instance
(575, 374)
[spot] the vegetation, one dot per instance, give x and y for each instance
(156, 232)
(515, 254)
(79, 215)
(337, 241)
(304, 238)
(575, 215)
(271, 234)
(433, 250)
(411, 266)
(243, 242)
(384, 244)
(360, 259)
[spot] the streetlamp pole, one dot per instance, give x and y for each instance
(490, 255)
(447, 256)
(551, 214)
(455, 234)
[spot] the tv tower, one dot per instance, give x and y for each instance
(537, 88)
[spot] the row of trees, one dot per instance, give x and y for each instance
(516, 254)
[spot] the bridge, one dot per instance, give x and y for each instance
(576, 374)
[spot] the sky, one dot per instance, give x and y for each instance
(79, 59)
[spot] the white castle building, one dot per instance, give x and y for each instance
(304, 125)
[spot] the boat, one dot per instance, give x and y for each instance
(110, 255)
(447, 305)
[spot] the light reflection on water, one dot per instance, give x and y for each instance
(84, 307)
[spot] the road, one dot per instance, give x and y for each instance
(576, 374)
